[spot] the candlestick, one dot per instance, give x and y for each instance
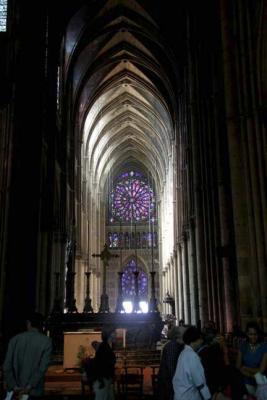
(124, 338)
(88, 302)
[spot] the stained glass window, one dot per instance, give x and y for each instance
(125, 240)
(128, 281)
(132, 199)
(143, 240)
(3, 15)
(114, 239)
(150, 237)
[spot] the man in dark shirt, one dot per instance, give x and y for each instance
(27, 359)
(169, 358)
(103, 370)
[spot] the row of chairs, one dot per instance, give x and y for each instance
(129, 382)
(142, 357)
(131, 365)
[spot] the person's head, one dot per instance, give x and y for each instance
(209, 335)
(181, 322)
(193, 337)
(176, 333)
(35, 321)
(211, 326)
(170, 325)
(253, 332)
(95, 344)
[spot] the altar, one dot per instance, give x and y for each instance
(140, 329)
(77, 346)
(132, 331)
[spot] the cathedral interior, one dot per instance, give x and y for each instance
(133, 162)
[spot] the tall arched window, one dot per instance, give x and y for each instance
(132, 199)
(128, 282)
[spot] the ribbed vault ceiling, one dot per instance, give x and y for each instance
(120, 83)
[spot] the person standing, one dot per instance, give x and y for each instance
(168, 362)
(27, 359)
(221, 376)
(189, 382)
(103, 371)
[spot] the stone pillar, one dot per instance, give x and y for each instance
(176, 284)
(187, 300)
(163, 291)
(80, 268)
(242, 159)
(57, 307)
(119, 306)
(95, 292)
(255, 153)
(172, 276)
(194, 276)
(195, 118)
(168, 277)
(181, 314)
(153, 307)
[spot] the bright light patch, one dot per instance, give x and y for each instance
(3, 15)
(144, 306)
(128, 306)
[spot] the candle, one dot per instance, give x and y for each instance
(124, 338)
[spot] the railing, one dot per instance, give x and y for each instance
(139, 357)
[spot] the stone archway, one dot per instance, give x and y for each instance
(122, 118)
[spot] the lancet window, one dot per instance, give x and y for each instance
(128, 281)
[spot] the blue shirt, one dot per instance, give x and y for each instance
(252, 359)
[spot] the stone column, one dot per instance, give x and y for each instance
(187, 300)
(255, 153)
(240, 161)
(163, 291)
(169, 277)
(194, 275)
(181, 283)
(172, 276)
(195, 118)
(176, 284)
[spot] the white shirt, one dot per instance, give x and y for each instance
(189, 378)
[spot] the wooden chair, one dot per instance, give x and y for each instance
(154, 379)
(130, 383)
